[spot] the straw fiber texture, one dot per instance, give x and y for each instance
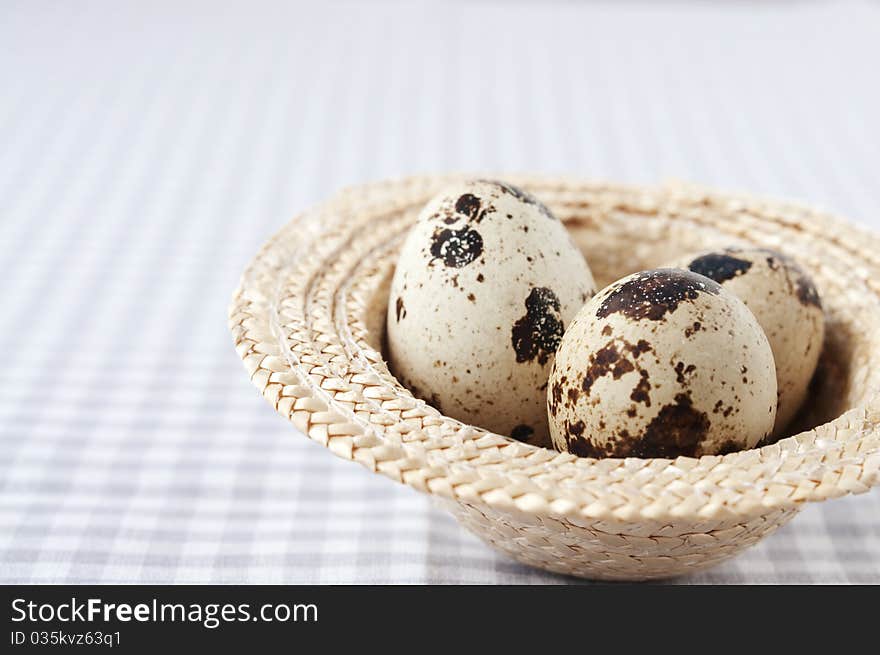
(307, 322)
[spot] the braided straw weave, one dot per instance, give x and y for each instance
(308, 321)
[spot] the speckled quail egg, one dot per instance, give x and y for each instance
(784, 300)
(487, 280)
(662, 363)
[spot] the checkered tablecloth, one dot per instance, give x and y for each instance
(148, 149)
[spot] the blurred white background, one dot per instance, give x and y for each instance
(148, 149)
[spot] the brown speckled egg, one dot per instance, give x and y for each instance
(662, 363)
(486, 283)
(784, 300)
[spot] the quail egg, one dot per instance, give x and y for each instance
(486, 283)
(783, 298)
(662, 363)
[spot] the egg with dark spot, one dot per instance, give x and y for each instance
(784, 300)
(485, 285)
(627, 382)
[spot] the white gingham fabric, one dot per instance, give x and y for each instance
(148, 149)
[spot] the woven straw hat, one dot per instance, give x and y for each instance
(308, 321)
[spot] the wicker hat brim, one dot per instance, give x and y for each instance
(304, 322)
